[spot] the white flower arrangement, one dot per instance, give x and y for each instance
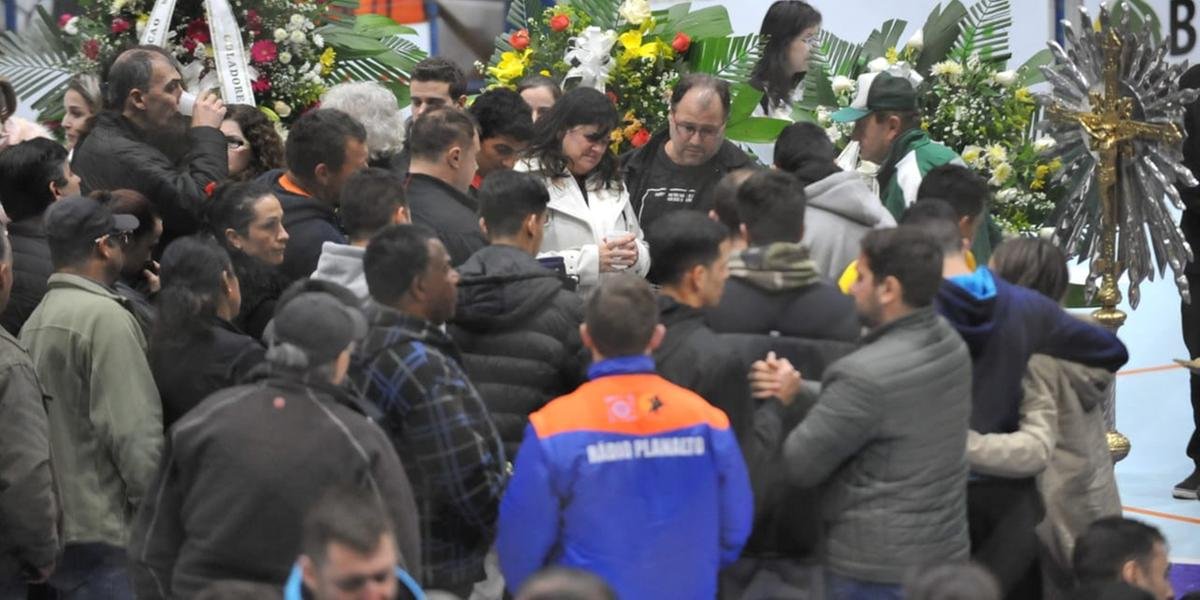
(1044, 144)
(843, 85)
(1005, 78)
(916, 43)
(297, 37)
(879, 65)
(948, 69)
(635, 12)
(281, 35)
(318, 41)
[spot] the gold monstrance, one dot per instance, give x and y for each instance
(1116, 112)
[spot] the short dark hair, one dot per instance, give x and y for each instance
(132, 69)
(540, 81)
(395, 257)
(130, 202)
(26, 172)
(692, 81)
(724, 198)
(319, 137)
(621, 316)
(435, 132)
(938, 220)
(369, 199)
(771, 205)
(232, 207)
(909, 119)
(565, 583)
(1033, 263)
(507, 198)
(436, 68)
(965, 190)
(680, 241)
(502, 112)
(907, 254)
(1111, 542)
(346, 515)
(804, 150)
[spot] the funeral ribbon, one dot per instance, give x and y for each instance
(229, 55)
(590, 54)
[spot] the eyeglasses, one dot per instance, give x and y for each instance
(704, 131)
(357, 582)
(123, 238)
(234, 143)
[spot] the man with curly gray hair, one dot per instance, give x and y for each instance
(374, 106)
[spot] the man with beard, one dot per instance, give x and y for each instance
(125, 149)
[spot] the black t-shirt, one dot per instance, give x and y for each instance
(673, 187)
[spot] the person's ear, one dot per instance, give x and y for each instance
(454, 157)
(533, 222)
(401, 216)
(321, 174)
(712, 215)
(462, 101)
(656, 339)
(892, 291)
(233, 238)
(1130, 572)
(138, 98)
(483, 227)
(696, 277)
(308, 571)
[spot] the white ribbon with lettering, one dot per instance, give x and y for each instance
(229, 55)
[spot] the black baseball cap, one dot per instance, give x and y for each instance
(80, 218)
(884, 92)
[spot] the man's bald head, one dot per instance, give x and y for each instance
(699, 109)
(699, 90)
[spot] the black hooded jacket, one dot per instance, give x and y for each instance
(310, 222)
(518, 330)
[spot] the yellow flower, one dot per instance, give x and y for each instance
(971, 154)
(1055, 165)
(1023, 95)
(544, 72)
(892, 55)
(996, 155)
(1037, 185)
(631, 41)
(1000, 174)
(327, 58)
(510, 67)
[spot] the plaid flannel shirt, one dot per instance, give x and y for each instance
(410, 369)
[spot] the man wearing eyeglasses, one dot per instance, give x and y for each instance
(678, 168)
(104, 411)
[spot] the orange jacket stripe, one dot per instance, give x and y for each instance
(642, 404)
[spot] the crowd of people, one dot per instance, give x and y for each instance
(467, 356)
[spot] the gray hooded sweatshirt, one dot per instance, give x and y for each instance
(343, 264)
(841, 210)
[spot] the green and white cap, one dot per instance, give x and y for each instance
(879, 91)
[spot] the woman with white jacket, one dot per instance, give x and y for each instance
(592, 225)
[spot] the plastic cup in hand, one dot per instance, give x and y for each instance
(187, 103)
(617, 234)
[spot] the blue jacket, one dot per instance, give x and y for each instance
(1004, 325)
(632, 478)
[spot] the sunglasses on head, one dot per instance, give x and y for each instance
(358, 582)
(122, 237)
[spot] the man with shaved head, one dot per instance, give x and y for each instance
(678, 168)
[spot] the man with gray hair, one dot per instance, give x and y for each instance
(142, 99)
(678, 168)
(376, 108)
(246, 465)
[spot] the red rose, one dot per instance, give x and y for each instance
(560, 23)
(640, 138)
(681, 43)
(119, 25)
(253, 21)
(64, 19)
(91, 49)
(611, 97)
(263, 51)
(198, 30)
(261, 85)
(519, 39)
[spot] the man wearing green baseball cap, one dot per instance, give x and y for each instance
(887, 126)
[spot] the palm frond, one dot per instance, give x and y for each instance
(940, 32)
(838, 56)
(520, 12)
(884, 38)
(985, 32)
(34, 60)
(603, 12)
(729, 58)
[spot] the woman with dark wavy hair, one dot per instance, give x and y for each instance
(592, 225)
(791, 28)
(195, 349)
(254, 145)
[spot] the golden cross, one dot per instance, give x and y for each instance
(1111, 126)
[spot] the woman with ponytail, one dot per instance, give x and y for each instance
(195, 350)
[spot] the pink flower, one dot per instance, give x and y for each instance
(119, 25)
(91, 48)
(64, 19)
(197, 30)
(261, 85)
(253, 21)
(263, 51)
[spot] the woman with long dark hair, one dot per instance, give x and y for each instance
(247, 219)
(253, 144)
(592, 224)
(791, 28)
(195, 349)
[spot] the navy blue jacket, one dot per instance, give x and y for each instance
(1003, 330)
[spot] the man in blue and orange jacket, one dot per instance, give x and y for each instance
(630, 477)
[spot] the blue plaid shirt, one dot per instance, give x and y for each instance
(410, 369)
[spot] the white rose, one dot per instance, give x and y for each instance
(842, 84)
(281, 109)
(285, 57)
(879, 65)
(318, 40)
(72, 26)
(1005, 78)
(947, 68)
(916, 42)
(297, 20)
(635, 11)
(297, 37)
(1007, 195)
(1044, 143)
(280, 35)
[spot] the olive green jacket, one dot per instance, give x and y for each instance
(104, 411)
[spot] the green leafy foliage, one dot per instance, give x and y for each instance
(36, 62)
(838, 56)
(882, 39)
(984, 32)
(370, 48)
(709, 22)
(603, 12)
(730, 58)
(940, 32)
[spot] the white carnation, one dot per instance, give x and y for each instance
(1007, 195)
(296, 20)
(635, 11)
(280, 35)
(297, 37)
(842, 84)
(283, 110)
(285, 57)
(879, 65)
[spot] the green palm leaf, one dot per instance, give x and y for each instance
(371, 48)
(838, 56)
(729, 58)
(35, 60)
(520, 12)
(985, 32)
(603, 12)
(941, 31)
(880, 40)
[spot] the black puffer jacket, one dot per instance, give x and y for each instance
(518, 330)
(31, 268)
(116, 155)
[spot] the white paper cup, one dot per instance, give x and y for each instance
(613, 235)
(187, 103)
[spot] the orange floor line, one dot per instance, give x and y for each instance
(1145, 370)
(1162, 515)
